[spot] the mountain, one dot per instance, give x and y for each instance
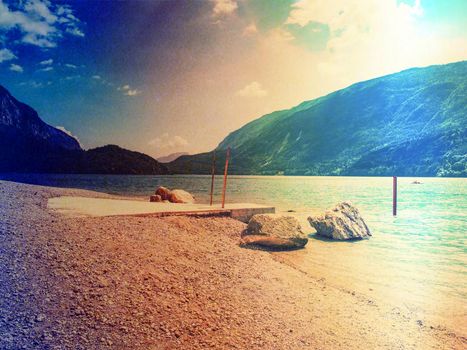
(17, 118)
(27, 144)
(171, 157)
(411, 123)
(113, 159)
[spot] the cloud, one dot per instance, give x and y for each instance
(68, 132)
(46, 69)
(38, 22)
(73, 77)
(127, 90)
(75, 31)
(46, 62)
(254, 89)
(354, 23)
(133, 92)
(166, 142)
(36, 40)
(98, 78)
(250, 30)
(69, 65)
(16, 68)
(313, 35)
(6, 55)
(40, 9)
(35, 84)
(367, 39)
(223, 7)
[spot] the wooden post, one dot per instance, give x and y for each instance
(225, 176)
(213, 170)
(394, 195)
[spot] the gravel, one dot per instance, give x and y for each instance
(171, 283)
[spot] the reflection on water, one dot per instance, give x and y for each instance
(417, 259)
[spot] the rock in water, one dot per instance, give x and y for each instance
(274, 231)
(343, 222)
(155, 198)
(163, 192)
(181, 196)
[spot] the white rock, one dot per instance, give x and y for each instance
(274, 231)
(342, 222)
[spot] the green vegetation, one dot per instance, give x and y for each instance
(411, 123)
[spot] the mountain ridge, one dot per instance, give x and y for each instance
(28, 144)
(21, 117)
(410, 123)
(171, 157)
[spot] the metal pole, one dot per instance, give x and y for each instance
(213, 170)
(225, 176)
(394, 195)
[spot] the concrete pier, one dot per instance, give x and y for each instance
(84, 206)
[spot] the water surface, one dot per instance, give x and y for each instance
(417, 260)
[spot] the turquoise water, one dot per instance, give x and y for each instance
(417, 259)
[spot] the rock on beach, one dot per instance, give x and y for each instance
(155, 198)
(181, 196)
(274, 231)
(163, 192)
(343, 222)
(165, 195)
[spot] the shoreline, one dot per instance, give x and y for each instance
(173, 282)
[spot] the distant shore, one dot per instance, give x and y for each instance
(172, 283)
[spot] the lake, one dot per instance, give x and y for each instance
(416, 260)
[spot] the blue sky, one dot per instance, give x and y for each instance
(169, 76)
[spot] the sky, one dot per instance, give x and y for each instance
(177, 76)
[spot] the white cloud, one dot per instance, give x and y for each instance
(97, 77)
(69, 65)
(127, 90)
(75, 31)
(250, 30)
(254, 89)
(68, 132)
(223, 7)
(370, 38)
(133, 92)
(46, 69)
(357, 22)
(37, 40)
(6, 55)
(166, 142)
(46, 62)
(73, 77)
(35, 84)
(40, 9)
(40, 22)
(16, 68)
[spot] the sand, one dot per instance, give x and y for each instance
(172, 283)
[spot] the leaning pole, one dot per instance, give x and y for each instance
(226, 168)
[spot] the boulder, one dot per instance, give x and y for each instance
(163, 192)
(274, 231)
(155, 198)
(181, 196)
(343, 222)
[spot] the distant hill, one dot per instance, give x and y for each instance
(412, 123)
(171, 157)
(112, 159)
(27, 144)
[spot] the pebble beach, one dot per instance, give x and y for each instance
(180, 282)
